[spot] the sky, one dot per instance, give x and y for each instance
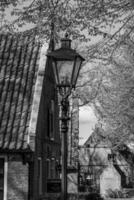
(87, 121)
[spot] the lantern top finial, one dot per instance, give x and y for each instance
(66, 42)
(66, 35)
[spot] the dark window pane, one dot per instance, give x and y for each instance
(1, 181)
(1, 162)
(1, 194)
(48, 123)
(1, 165)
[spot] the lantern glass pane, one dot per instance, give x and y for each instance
(54, 64)
(65, 70)
(77, 66)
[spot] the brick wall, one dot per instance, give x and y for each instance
(17, 188)
(43, 139)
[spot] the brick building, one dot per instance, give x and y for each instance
(29, 129)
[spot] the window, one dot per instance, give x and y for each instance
(52, 168)
(112, 157)
(48, 167)
(51, 120)
(48, 161)
(48, 123)
(40, 174)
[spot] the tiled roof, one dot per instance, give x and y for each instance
(19, 56)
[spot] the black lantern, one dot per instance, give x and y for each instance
(66, 64)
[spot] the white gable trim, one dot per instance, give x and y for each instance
(37, 93)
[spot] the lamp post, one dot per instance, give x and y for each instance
(66, 64)
(89, 183)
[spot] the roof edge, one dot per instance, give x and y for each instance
(37, 96)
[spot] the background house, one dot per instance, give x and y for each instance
(95, 156)
(73, 132)
(29, 129)
(110, 180)
(73, 142)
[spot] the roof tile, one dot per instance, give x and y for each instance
(18, 71)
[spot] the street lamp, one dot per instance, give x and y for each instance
(66, 64)
(89, 181)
